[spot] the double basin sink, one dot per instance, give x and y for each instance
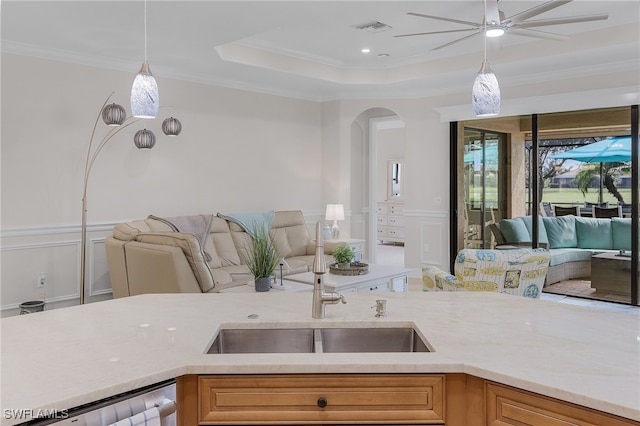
(317, 340)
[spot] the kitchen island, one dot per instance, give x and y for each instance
(68, 357)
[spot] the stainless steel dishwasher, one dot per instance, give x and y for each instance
(151, 405)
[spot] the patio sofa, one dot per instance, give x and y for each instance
(571, 241)
(150, 256)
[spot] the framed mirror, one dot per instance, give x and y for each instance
(394, 180)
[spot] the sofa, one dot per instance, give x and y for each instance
(571, 241)
(152, 256)
(519, 272)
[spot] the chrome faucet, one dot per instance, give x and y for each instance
(320, 298)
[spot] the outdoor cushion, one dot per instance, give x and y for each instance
(565, 255)
(594, 233)
(514, 231)
(561, 231)
(542, 232)
(621, 232)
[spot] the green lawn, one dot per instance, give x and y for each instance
(573, 195)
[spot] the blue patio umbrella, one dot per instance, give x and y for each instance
(610, 150)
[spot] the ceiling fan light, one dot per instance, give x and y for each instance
(494, 32)
(485, 95)
(144, 94)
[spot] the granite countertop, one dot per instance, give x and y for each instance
(67, 357)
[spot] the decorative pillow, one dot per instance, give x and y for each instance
(561, 231)
(621, 233)
(542, 232)
(594, 233)
(514, 231)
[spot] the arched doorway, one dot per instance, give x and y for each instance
(378, 144)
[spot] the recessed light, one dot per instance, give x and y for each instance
(365, 50)
(383, 55)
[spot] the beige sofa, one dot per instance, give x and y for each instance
(148, 256)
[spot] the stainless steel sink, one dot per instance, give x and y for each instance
(396, 339)
(318, 340)
(263, 340)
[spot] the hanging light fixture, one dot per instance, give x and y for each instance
(113, 115)
(144, 92)
(144, 139)
(485, 95)
(171, 126)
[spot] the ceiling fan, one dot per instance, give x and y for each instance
(518, 24)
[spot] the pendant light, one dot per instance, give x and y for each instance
(144, 92)
(485, 95)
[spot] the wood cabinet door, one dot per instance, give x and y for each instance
(322, 399)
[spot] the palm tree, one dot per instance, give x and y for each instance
(610, 173)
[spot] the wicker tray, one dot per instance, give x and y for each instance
(356, 268)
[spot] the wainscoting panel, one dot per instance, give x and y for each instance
(22, 264)
(56, 252)
(100, 282)
(431, 252)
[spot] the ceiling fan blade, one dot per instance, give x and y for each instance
(473, 24)
(559, 21)
(457, 41)
(537, 34)
(492, 17)
(535, 11)
(436, 32)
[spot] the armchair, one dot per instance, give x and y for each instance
(519, 272)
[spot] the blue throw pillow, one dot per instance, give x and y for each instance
(542, 232)
(514, 231)
(594, 233)
(561, 231)
(621, 232)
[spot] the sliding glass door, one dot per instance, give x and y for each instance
(483, 184)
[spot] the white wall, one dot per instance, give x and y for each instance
(238, 151)
(391, 146)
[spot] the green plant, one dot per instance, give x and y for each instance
(262, 255)
(344, 254)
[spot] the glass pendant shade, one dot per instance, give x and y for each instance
(144, 139)
(113, 115)
(485, 95)
(171, 126)
(144, 94)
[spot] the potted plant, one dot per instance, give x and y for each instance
(261, 257)
(344, 255)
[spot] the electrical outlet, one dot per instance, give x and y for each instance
(42, 279)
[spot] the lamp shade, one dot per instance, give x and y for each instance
(144, 139)
(335, 212)
(171, 126)
(485, 95)
(144, 94)
(113, 115)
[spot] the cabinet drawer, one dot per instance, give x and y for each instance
(509, 406)
(395, 232)
(396, 209)
(381, 220)
(396, 221)
(331, 398)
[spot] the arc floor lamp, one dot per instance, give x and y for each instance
(113, 115)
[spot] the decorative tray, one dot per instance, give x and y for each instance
(356, 268)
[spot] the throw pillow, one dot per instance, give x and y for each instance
(561, 231)
(594, 233)
(514, 231)
(621, 233)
